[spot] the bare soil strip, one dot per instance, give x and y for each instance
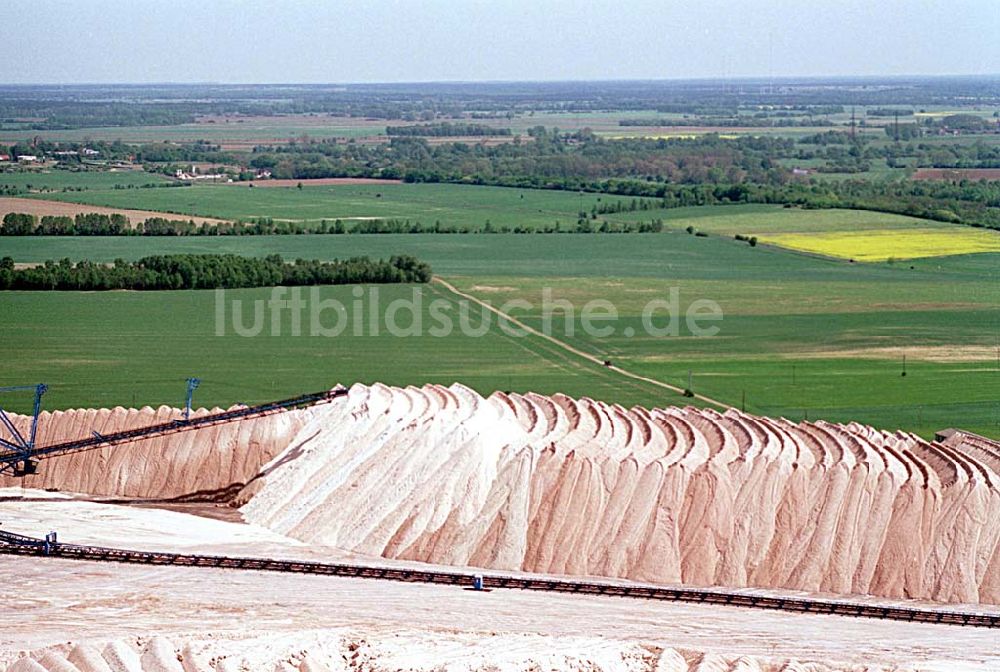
(957, 174)
(576, 351)
(41, 208)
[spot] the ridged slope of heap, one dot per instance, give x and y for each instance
(558, 485)
(202, 461)
(677, 495)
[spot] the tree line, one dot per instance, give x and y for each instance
(23, 224)
(735, 121)
(548, 155)
(83, 224)
(446, 129)
(209, 271)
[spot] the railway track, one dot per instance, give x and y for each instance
(15, 544)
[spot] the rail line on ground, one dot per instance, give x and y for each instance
(15, 544)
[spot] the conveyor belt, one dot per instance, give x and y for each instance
(22, 545)
(172, 427)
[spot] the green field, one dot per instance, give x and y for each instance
(879, 170)
(131, 348)
(802, 346)
(248, 131)
(58, 180)
(801, 336)
(251, 131)
(455, 205)
(474, 206)
(767, 219)
(859, 235)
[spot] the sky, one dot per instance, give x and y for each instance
(314, 41)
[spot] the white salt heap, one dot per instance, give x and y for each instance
(564, 486)
(557, 485)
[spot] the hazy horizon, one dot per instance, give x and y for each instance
(442, 41)
(757, 79)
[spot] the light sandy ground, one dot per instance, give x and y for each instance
(92, 523)
(41, 207)
(493, 288)
(219, 619)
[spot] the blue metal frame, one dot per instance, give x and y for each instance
(193, 384)
(17, 457)
(165, 428)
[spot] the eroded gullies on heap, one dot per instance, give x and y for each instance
(558, 485)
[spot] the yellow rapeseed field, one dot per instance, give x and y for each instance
(880, 245)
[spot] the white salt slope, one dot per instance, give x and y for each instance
(343, 650)
(557, 485)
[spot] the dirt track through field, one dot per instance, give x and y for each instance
(573, 350)
(41, 208)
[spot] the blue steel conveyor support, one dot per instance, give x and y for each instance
(193, 384)
(15, 453)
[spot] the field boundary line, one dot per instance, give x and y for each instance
(569, 348)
